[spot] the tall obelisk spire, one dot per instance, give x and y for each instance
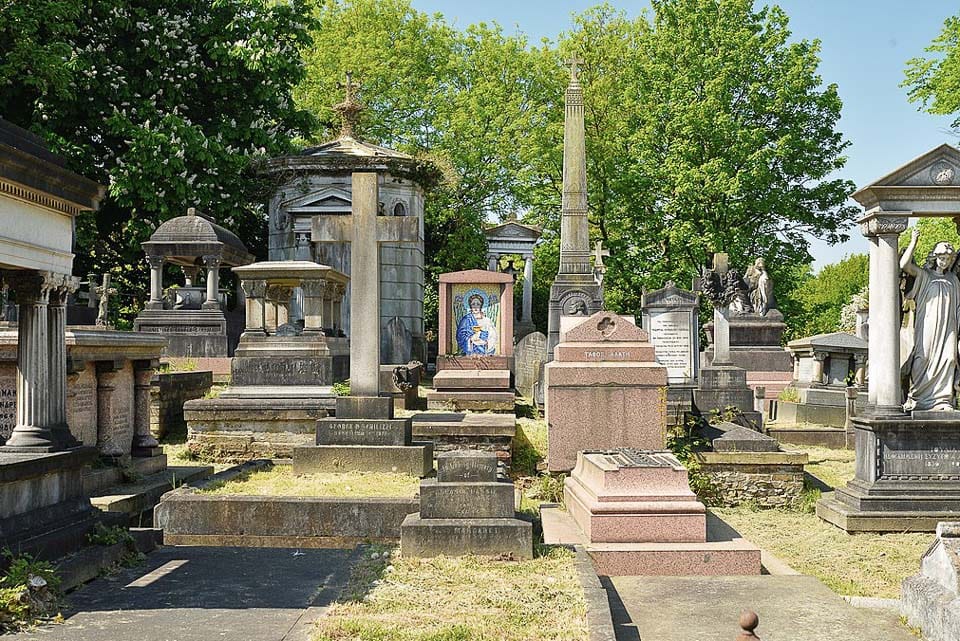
(574, 292)
(574, 232)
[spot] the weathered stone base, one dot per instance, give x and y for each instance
(486, 432)
(832, 437)
(425, 538)
(490, 500)
(768, 479)
(486, 401)
(724, 386)
(416, 459)
(189, 518)
(931, 607)
(96, 479)
(852, 520)
(242, 429)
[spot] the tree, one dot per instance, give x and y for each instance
(822, 297)
(934, 81)
(171, 105)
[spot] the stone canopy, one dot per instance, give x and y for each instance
(184, 239)
(928, 185)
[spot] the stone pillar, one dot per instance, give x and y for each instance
(884, 355)
(212, 263)
(364, 288)
(254, 291)
(57, 341)
(92, 288)
(859, 361)
(144, 444)
(32, 433)
(156, 282)
(721, 337)
(873, 293)
(110, 441)
(816, 377)
(796, 367)
(493, 263)
(313, 291)
(527, 308)
(337, 305)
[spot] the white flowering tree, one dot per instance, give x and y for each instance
(171, 104)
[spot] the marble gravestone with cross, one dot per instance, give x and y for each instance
(364, 435)
(723, 385)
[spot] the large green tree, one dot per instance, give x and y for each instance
(934, 81)
(170, 104)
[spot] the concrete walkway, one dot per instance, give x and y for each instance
(791, 608)
(206, 594)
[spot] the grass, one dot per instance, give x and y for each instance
(852, 564)
(459, 599)
(281, 481)
(529, 446)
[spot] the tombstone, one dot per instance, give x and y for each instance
(475, 343)
(466, 509)
(530, 355)
(317, 182)
(192, 317)
(364, 435)
(282, 374)
(671, 316)
(930, 599)
(604, 389)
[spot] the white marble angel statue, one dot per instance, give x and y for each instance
(931, 364)
(761, 287)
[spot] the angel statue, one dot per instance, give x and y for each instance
(931, 364)
(761, 287)
(476, 332)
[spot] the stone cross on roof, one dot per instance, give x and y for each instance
(349, 109)
(575, 63)
(104, 292)
(365, 230)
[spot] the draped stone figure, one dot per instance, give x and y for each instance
(761, 287)
(931, 364)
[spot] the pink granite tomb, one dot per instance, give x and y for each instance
(603, 390)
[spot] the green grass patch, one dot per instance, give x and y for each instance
(833, 467)
(281, 481)
(529, 446)
(459, 599)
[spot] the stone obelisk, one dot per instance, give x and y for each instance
(575, 291)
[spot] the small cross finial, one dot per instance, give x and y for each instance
(575, 61)
(349, 109)
(599, 269)
(191, 211)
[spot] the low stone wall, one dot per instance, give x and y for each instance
(168, 392)
(768, 479)
(190, 518)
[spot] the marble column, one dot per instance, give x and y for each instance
(884, 340)
(313, 291)
(859, 361)
(32, 432)
(527, 290)
(873, 294)
(212, 263)
(57, 340)
(254, 291)
(156, 282)
(144, 444)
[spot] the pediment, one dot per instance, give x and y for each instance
(512, 230)
(605, 326)
(327, 200)
(669, 296)
(932, 176)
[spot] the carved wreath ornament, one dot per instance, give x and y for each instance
(942, 173)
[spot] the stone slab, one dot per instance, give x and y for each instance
(852, 520)
(832, 437)
(478, 379)
(790, 608)
(420, 538)
(360, 431)
(415, 459)
(466, 500)
(475, 401)
(186, 592)
(742, 439)
(597, 352)
(466, 466)
(448, 361)
(364, 407)
(430, 424)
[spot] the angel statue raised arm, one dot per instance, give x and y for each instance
(931, 364)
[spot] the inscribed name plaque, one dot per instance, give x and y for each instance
(670, 316)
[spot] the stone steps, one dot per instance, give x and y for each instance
(135, 499)
(98, 479)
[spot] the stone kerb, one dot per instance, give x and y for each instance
(611, 393)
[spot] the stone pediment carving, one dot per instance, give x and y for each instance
(514, 231)
(927, 185)
(670, 296)
(605, 326)
(323, 201)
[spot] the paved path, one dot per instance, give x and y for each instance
(791, 608)
(205, 594)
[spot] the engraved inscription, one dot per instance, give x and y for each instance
(672, 344)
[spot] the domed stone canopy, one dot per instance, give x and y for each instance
(184, 239)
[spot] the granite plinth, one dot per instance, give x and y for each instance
(415, 459)
(724, 386)
(363, 431)
(832, 437)
(755, 359)
(626, 495)
(466, 467)
(307, 359)
(466, 500)
(425, 538)
(364, 407)
(907, 477)
(455, 431)
(488, 401)
(742, 439)
(490, 362)
(477, 379)
(191, 333)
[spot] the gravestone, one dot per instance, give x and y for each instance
(530, 355)
(604, 389)
(671, 316)
(466, 509)
(930, 599)
(364, 435)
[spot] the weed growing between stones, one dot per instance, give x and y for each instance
(29, 593)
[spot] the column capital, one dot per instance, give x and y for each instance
(155, 262)
(253, 288)
(820, 356)
(211, 261)
(313, 288)
(882, 224)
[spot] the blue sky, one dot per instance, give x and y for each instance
(865, 44)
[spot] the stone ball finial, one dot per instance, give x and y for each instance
(748, 623)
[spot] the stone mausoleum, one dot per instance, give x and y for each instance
(317, 182)
(192, 317)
